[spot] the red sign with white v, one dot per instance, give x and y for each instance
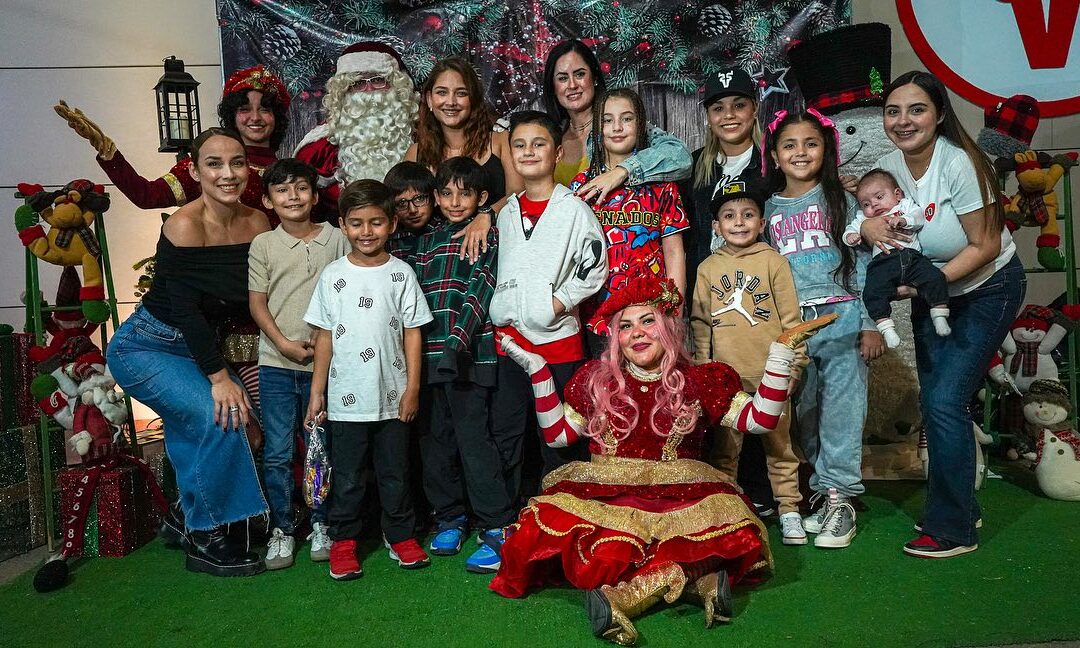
(986, 51)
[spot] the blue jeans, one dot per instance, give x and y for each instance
(951, 370)
(284, 402)
(215, 471)
(831, 408)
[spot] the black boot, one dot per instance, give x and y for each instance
(171, 530)
(210, 552)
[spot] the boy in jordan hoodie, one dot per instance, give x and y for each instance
(744, 297)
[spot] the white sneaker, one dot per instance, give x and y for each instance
(279, 553)
(812, 523)
(838, 526)
(791, 526)
(320, 542)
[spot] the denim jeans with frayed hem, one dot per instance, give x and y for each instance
(951, 370)
(285, 395)
(215, 471)
(831, 407)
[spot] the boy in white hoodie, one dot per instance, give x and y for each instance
(551, 258)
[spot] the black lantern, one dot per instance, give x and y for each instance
(178, 108)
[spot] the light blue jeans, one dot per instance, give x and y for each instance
(215, 471)
(831, 407)
(285, 395)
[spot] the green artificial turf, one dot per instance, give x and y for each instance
(1018, 587)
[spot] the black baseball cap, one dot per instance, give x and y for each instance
(728, 82)
(734, 191)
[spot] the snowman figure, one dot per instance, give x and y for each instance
(842, 73)
(1057, 466)
(1026, 350)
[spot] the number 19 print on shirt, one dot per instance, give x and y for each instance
(366, 310)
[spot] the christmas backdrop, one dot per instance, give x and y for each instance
(663, 47)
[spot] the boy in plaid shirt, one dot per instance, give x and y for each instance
(460, 368)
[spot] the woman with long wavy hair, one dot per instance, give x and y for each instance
(645, 519)
(456, 121)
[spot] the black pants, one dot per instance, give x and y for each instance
(350, 444)
(459, 427)
(905, 267)
(512, 410)
(754, 472)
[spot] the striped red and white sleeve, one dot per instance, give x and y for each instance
(559, 424)
(760, 413)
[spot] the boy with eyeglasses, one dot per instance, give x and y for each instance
(413, 186)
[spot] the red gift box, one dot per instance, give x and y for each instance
(123, 495)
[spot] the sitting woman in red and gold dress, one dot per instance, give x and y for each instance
(645, 520)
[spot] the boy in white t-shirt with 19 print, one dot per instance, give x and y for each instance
(368, 307)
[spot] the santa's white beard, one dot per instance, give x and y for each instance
(372, 132)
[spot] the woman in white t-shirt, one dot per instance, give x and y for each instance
(938, 165)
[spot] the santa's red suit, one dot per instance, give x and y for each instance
(316, 150)
(375, 59)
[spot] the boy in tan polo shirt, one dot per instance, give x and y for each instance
(283, 267)
(744, 297)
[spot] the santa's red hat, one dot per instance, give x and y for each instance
(257, 78)
(648, 290)
(370, 56)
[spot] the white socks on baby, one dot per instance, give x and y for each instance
(940, 316)
(887, 328)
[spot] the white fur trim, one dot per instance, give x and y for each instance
(315, 134)
(377, 62)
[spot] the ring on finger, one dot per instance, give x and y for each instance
(234, 408)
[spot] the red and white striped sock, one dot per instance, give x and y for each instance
(762, 414)
(559, 431)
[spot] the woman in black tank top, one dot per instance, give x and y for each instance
(456, 121)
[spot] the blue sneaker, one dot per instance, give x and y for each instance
(448, 541)
(488, 558)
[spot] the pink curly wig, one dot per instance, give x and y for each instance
(615, 406)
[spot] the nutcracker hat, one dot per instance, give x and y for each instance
(1016, 118)
(844, 68)
(257, 78)
(370, 56)
(648, 290)
(1048, 391)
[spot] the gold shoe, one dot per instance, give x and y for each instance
(793, 337)
(713, 591)
(611, 608)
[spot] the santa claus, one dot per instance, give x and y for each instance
(371, 106)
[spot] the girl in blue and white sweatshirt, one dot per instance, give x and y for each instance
(805, 221)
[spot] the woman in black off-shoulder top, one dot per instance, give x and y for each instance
(167, 356)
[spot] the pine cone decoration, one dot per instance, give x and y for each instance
(280, 43)
(714, 21)
(821, 16)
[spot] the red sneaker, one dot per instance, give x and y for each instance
(344, 564)
(409, 554)
(928, 547)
